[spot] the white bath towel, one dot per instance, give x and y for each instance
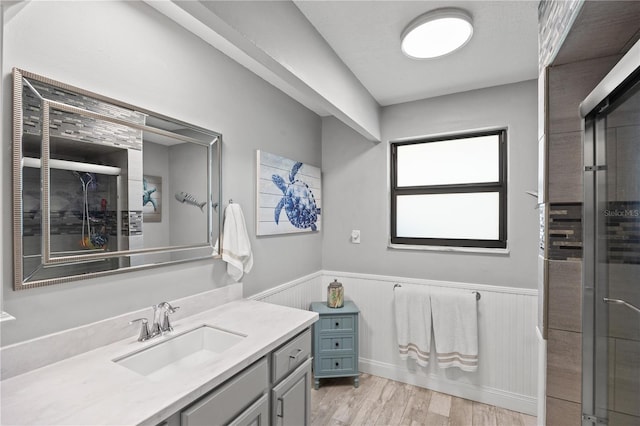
(236, 247)
(413, 323)
(455, 328)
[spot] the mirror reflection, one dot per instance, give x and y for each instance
(104, 186)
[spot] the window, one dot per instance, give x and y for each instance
(450, 191)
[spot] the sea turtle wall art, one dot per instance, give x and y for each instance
(289, 195)
(152, 198)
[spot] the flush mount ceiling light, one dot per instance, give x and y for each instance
(436, 33)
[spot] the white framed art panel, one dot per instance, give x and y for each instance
(289, 195)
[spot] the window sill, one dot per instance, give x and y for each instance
(445, 249)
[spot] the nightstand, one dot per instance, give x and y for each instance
(335, 342)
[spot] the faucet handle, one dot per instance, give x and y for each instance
(167, 306)
(166, 324)
(155, 327)
(144, 329)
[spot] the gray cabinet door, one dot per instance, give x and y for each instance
(229, 400)
(291, 398)
(256, 415)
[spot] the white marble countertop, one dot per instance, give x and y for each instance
(90, 389)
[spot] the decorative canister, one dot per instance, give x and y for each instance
(335, 295)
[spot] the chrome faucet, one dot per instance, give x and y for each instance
(165, 325)
(161, 323)
(144, 329)
(155, 327)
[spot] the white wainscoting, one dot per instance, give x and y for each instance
(507, 374)
(298, 293)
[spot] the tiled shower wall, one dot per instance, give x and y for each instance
(568, 85)
(75, 126)
(554, 20)
(562, 88)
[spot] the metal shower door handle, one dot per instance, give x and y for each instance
(621, 302)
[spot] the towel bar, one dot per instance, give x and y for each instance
(476, 292)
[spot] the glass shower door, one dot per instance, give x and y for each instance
(611, 311)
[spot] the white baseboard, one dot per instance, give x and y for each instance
(486, 395)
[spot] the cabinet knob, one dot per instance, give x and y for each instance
(295, 356)
(337, 324)
(337, 344)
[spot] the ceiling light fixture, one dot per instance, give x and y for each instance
(436, 33)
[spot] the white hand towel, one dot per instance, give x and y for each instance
(413, 323)
(455, 328)
(236, 248)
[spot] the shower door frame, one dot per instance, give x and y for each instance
(624, 76)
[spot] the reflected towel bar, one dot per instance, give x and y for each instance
(73, 166)
(476, 292)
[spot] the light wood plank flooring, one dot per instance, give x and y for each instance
(380, 401)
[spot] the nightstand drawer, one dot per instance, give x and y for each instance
(334, 365)
(332, 343)
(333, 323)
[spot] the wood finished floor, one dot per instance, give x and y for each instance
(380, 401)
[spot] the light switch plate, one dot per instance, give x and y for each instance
(355, 236)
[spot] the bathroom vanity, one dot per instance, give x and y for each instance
(261, 377)
(104, 187)
(283, 378)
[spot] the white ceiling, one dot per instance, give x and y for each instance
(343, 58)
(366, 37)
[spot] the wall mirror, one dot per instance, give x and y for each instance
(101, 186)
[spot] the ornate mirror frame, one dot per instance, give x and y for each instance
(144, 257)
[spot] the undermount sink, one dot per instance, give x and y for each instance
(173, 354)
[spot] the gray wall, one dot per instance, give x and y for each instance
(187, 171)
(155, 159)
(355, 173)
(128, 51)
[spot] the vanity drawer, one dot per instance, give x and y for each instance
(290, 355)
(333, 323)
(334, 343)
(229, 400)
(337, 365)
